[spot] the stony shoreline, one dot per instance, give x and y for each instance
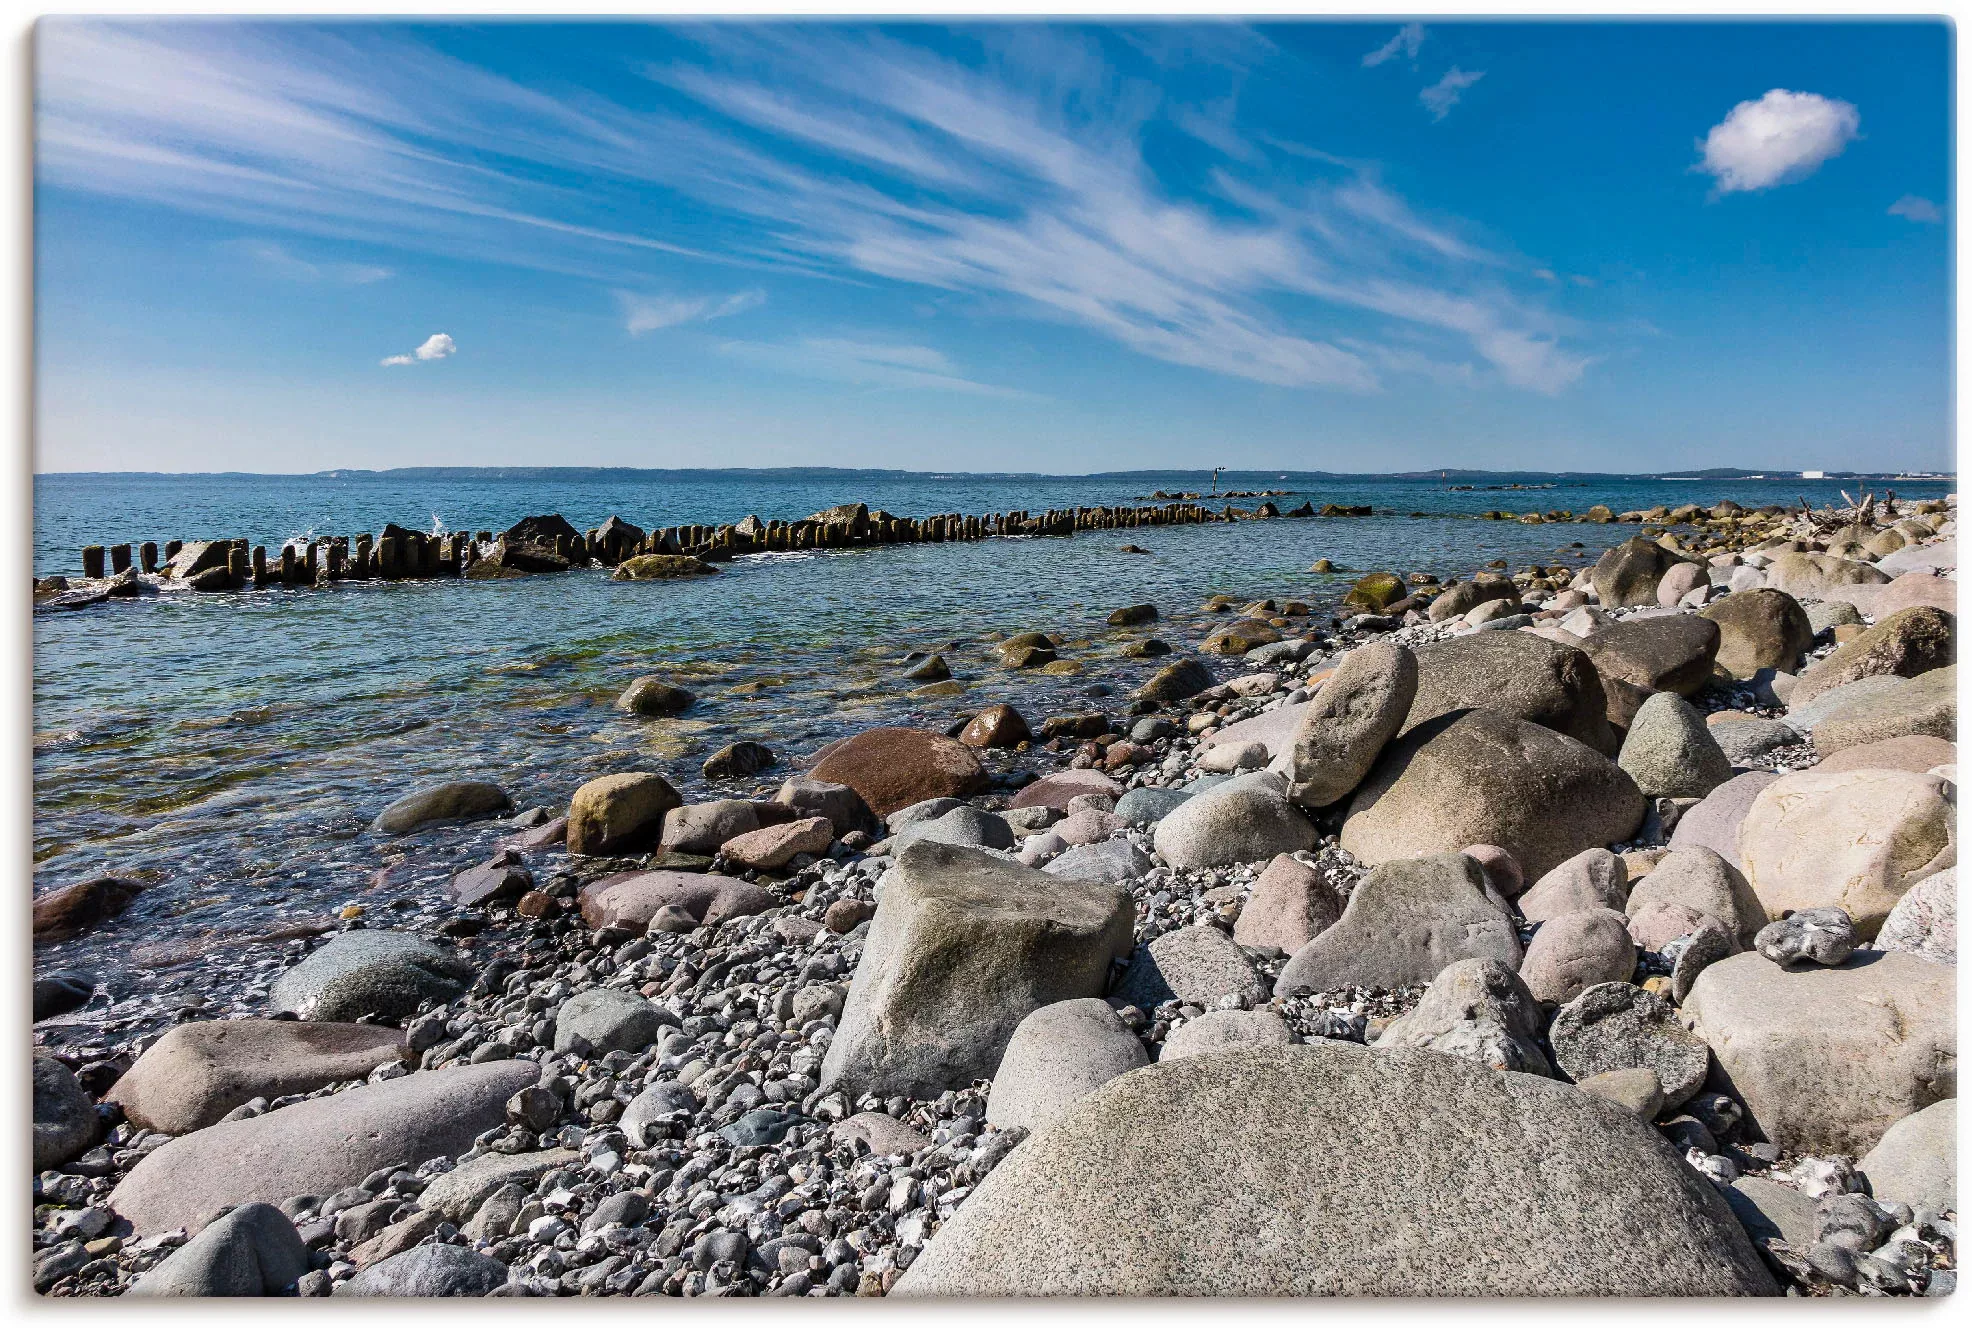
(1543, 888)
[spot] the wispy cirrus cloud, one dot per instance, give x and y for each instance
(276, 259)
(650, 313)
(1441, 96)
(1407, 41)
(437, 346)
(875, 364)
(1019, 180)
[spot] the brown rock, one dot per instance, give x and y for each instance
(1918, 752)
(1759, 629)
(629, 899)
(771, 847)
(619, 814)
(196, 1073)
(1291, 905)
(1055, 790)
(1907, 643)
(74, 909)
(845, 915)
(891, 768)
(1669, 653)
(996, 726)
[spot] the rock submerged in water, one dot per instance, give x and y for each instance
(661, 567)
(442, 802)
(1363, 1166)
(652, 697)
(65, 913)
(737, 760)
(369, 974)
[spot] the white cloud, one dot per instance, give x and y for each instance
(274, 258)
(649, 313)
(1441, 96)
(1782, 137)
(866, 364)
(1408, 39)
(437, 346)
(1912, 208)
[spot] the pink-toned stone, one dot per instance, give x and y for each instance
(773, 846)
(1291, 905)
(1055, 790)
(629, 899)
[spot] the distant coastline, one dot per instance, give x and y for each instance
(1449, 474)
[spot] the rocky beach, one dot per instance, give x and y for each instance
(1579, 926)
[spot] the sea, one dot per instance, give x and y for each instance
(229, 751)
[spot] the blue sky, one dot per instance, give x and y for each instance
(1352, 246)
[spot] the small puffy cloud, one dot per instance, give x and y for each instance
(1782, 137)
(1408, 39)
(1546, 274)
(1441, 96)
(1912, 208)
(437, 346)
(649, 313)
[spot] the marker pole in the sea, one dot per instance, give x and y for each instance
(92, 561)
(148, 556)
(119, 558)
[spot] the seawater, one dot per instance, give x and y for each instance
(230, 750)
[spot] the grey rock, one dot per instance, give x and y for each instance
(1058, 1055)
(885, 1136)
(379, 974)
(1513, 675)
(1156, 1183)
(965, 826)
(930, 809)
(1107, 863)
(1747, 742)
(760, 1127)
(429, 1270)
(1483, 778)
(1823, 936)
(1614, 1026)
(1670, 752)
(1770, 1211)
(1148, 805)
(1805, 719)
(843, 806)
(1341, 732)
(963, 947)
(1243, 820)
(1198, 965)
(1405, 922)
(1477, 1009)
(1924, 922)
(1593, 878)
(1926, 705)
(65, 1121)
(1223, 1030)
(198, 1072)
(663, 1098)
(1707, 946)
(609, 1019)
(1576, 951)
(442, 802)
(1916, 1160)
(318, 1146)
(457, 1194)
(701, 827)
(252, 1251)
(1689, 888)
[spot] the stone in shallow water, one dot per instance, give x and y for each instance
(619, 814)
(891, 768)
(1362, 1167)
(441, 802)
(381, 974)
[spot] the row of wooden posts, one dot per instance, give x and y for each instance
(400, 554)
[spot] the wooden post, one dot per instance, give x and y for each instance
(119, 558)
(149, 556)
(237, 567)
(388, 555)
(92, 562)
(287, 565)
(360, 566)
(171, 548)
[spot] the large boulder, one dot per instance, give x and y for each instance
(1854, 840)
(379, 974)
(431, 1270)
(1358, 710)
(964, 945)
(1629, 573)
(1671, 652)
(891, 768)
(196, 1073)
(1404, 923)
(252, 1251)
(1243, 820)
(1916, 1160)
(1905, 644)
(1926, 704)
(1480, 778)
(1463, 598)
(1905, 592)
(1058, 1055)
(1828, 1059)
(65, 1120)
(1759, 629)
(1714, 823)
(1925, 921)
(1670, 752)
(1689, 889)
(1817, 575)
(1175, 681)
(620, 814)
(1060, 788)
(631, 899)
(1517, 675)
(1291, 904)
(1329, 1170)
(1594, 878)
(1478, 1009)
(1576, 951)
(451, 801)
(1917, 752)
(318, 1146)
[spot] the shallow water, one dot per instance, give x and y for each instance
(231, 749)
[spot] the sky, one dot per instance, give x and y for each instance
(286, 246)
